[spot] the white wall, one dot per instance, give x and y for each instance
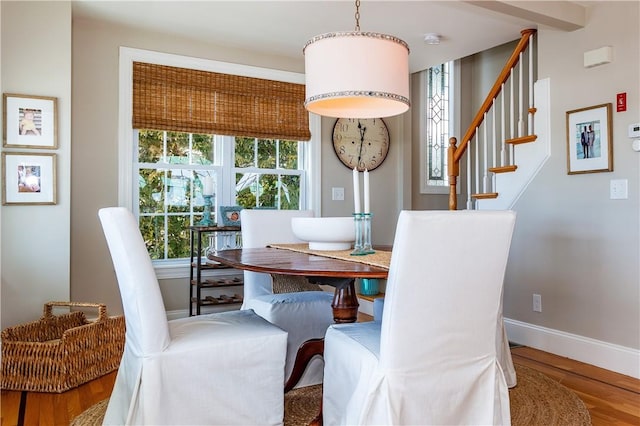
(36, 60)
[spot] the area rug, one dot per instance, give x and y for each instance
(536, 400)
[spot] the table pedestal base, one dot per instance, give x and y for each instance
(345, 303)
(345, 310)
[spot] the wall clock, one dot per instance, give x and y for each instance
(361, 143)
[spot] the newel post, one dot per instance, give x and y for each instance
(454, 172)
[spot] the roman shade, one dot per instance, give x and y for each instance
(203, 102)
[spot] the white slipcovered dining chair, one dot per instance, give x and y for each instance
(502, 343)
(432, 359)
(224, 368)
(303, 315)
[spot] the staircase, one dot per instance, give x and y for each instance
(507, 142)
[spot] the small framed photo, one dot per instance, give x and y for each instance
(230, 215)
(29, 122)
(590, 140)
(29, 178)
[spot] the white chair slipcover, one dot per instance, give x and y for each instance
(502, 343)
(303, 315)
(224, 368)
(432, 359)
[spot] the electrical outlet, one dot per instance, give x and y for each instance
(337, 194)
(537, 303)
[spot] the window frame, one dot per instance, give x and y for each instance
(126, 145)
(454, 127)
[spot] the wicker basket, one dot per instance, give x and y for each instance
(60, 352)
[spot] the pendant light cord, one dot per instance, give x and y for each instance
(358, 16)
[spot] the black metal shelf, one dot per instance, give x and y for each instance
(200, 263)
(218, 301)
(218, 283)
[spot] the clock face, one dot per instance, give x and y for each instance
(361, 143)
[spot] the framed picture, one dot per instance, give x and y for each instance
(230, 215)
(589, 140)
(29, 178)
(29, 122)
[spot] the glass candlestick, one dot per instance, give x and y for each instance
(362, 245)
(357, 246)
(367, 248)
(206, 217)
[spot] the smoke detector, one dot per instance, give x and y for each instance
(432, 38)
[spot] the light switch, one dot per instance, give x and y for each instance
(618, 189)
(337, 194)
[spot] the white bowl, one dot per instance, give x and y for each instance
(325, 233)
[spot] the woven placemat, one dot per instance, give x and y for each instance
(536, 400)
(380, 258)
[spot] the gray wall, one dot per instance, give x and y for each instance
(95, 133)
(95, 68)
(36, 60)
(572, 244)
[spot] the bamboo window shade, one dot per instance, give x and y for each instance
(203, 102)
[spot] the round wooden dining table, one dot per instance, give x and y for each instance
(339, 273)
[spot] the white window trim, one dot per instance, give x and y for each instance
(454, 130)
(180, 269)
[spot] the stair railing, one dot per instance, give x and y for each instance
(486, 157)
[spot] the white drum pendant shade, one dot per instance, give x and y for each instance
(356, 75)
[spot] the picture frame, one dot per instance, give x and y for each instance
(29, 122)
(230, 215)
(590, 140)
(29, 178)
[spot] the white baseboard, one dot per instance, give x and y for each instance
(609, 356)
(605, 355)
(181, 313)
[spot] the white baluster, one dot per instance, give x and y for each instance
(485, 163)
(520, 100)
(503, 135)
(494, 142)
(512, 120)
(469, 199)
(477, 148)
(531, 100)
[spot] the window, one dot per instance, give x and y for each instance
(173, 166)
(161, 173)
(268, 173)
(436, 126)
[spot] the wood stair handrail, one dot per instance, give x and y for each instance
(493, 93)
(454, 152)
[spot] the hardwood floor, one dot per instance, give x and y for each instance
(612, 399)
(46, 409)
